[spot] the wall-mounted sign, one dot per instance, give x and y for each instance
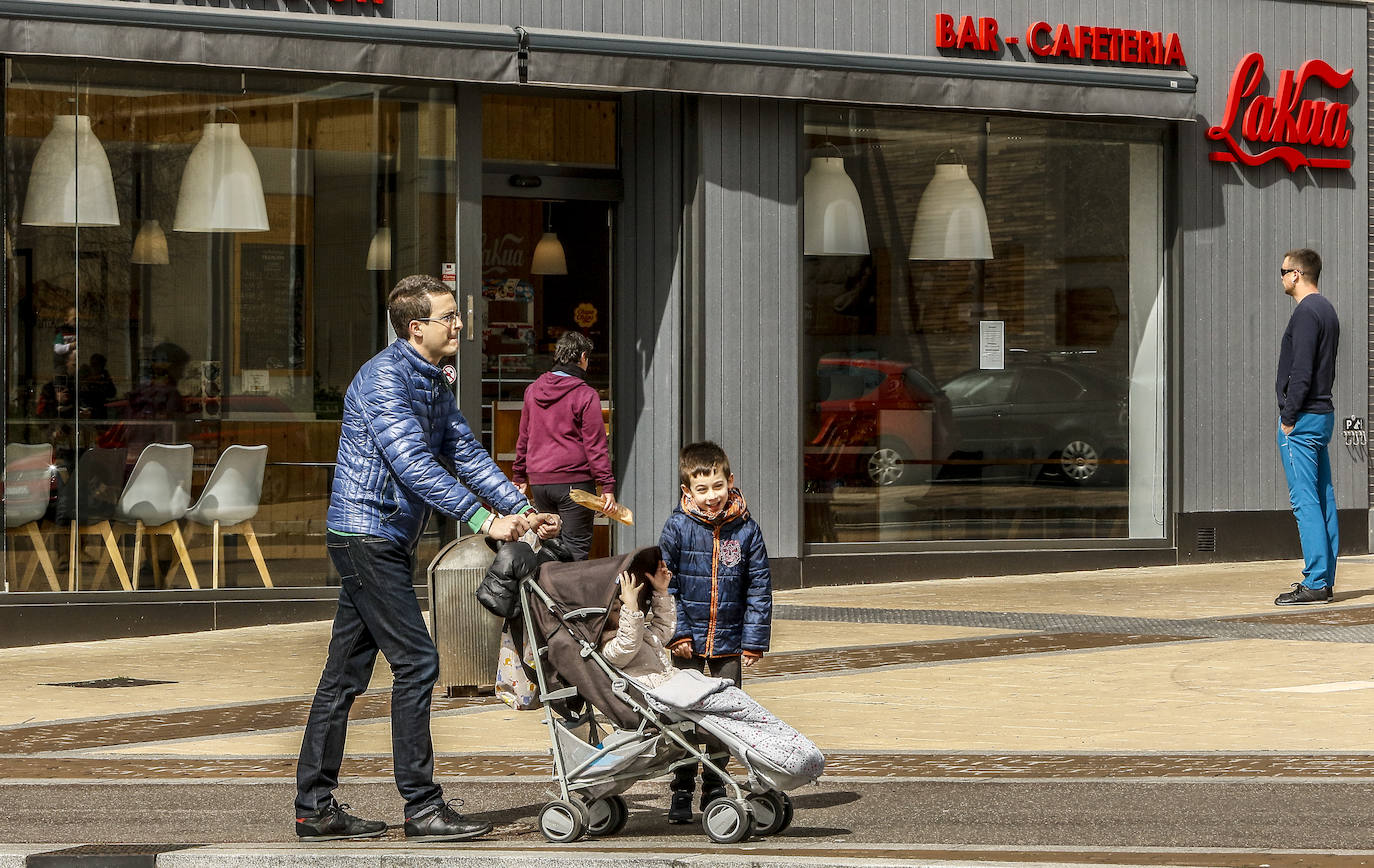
(1285, 119)
(1064, 41)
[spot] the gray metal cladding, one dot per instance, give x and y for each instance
(750, 305)
(647, 381)
(1236, 223)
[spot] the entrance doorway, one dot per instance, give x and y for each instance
(546, 270)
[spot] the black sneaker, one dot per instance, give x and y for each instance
(680, 810)
(336, 824)
(440, 822)
(709, 796)
(1301, 595)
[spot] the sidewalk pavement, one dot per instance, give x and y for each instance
(1163, 715)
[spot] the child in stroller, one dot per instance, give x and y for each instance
(585, 629)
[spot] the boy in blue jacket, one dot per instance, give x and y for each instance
(723, 589)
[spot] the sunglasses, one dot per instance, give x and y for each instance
(1284, 272)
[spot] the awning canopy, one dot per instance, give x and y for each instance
(377, 46)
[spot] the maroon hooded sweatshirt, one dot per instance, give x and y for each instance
(562, 437)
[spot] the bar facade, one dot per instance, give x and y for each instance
(960, 292)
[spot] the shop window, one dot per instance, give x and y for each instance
(983, 314)
(158, 305)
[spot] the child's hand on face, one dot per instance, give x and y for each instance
(660, 578)
(629, 591)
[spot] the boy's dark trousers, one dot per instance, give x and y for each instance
(685, 777)
(378, 611)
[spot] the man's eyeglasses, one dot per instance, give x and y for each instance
(1284, 272)
(448, 320)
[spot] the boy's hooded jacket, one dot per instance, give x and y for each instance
(720, 577)
(399, 419)
(562, 436)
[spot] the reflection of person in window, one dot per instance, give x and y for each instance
(95, 387)
(158, 396)
(64, 342)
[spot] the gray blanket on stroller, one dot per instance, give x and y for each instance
(774, 753)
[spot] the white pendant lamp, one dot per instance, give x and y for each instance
(548, 253)
(70, 183)
(951, 222)
(150, 246)
(379, 251)
(833, 218)
(221, 190)
(548, 256)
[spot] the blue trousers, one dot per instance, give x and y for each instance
(377, 610)
(1312, 494)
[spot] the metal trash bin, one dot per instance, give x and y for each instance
(467, 635)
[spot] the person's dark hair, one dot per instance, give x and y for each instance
(98, 361)
(570, 348)
(701, 459)
(1308, 261)
(409, 300)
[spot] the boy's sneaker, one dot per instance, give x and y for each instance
(1301, 595)
(680, 810)
(334, 823)
(439, 822)
(709, 796)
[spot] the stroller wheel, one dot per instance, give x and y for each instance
(727, 821)
(562, 822)
(772, 812)
(607, 816)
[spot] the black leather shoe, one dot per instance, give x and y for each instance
(680, 810)
(440, 822)
(1301, 595)
(336, 824)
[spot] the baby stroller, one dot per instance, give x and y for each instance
(566, 606)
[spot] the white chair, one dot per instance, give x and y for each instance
(87, 502)
(28, 487)
(154, 500)
(229, 501)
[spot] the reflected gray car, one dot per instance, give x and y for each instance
(1062, 419)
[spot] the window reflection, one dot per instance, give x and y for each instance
(922, 427)
(137, 319)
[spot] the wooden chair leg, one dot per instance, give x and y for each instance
(180, 543)
(253, 547)
(138, 550)
(214, 555)
(74, 559)
(115, 557)
(40, 547)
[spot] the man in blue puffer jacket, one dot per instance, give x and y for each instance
(723, 587)
(400, 422)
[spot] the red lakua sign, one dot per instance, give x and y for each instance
(1283, 120)
(1118, 44)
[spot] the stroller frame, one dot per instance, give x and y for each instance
(589, 801)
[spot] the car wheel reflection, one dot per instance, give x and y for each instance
(886, 466)
(1079, 462)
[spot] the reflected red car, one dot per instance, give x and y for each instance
(875, 422)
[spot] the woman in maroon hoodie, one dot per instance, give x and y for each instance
(562, 443)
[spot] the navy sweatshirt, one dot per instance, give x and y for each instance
(1307, 359)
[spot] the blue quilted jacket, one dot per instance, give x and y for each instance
(722, 583)
(399, 420)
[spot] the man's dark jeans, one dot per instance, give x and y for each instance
(378, 610)
(577, 519)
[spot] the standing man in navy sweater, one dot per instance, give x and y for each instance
(1307, 370)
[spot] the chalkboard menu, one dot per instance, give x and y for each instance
(270, 308)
